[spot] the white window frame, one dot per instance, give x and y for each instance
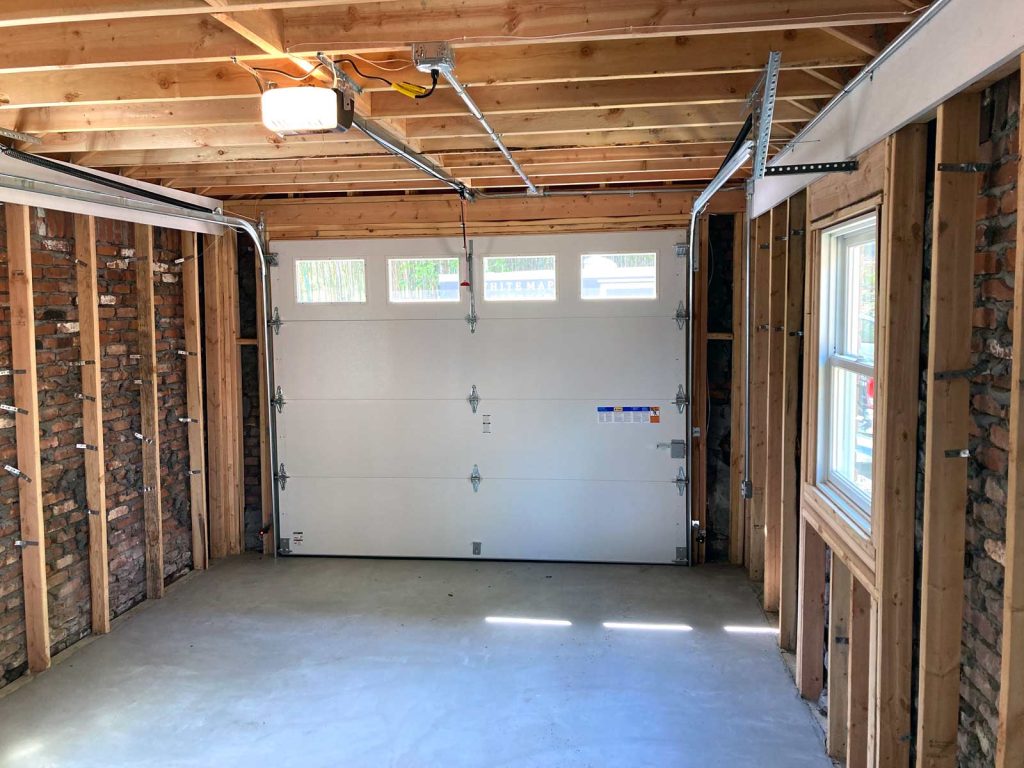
(657, 279)
(851, 501)
(295, 277)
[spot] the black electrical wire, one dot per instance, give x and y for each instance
(83, 175)
(358, 71)
(748, 126)
(282, 73)
(433, 84)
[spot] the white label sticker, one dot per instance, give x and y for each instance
(628, 414)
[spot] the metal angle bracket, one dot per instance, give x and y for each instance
(278, 400)
(474, 399)
(17, 473)
(766, 113)
(281, 477)
(964, 167)
(475, 478)
(842, 166)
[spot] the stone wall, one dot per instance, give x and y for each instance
(60, 414)
(992, 342)
(719, 364)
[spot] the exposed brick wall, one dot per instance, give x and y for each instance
(991, 342)
(60, 413)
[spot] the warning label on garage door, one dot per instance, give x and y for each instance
(628, 414)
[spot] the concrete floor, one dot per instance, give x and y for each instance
(353, 663)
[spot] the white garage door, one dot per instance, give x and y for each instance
(577, 360)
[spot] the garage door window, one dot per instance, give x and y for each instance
(619, 276)
(330, 281)
(847, 378)
(423, 280)
(519, 278)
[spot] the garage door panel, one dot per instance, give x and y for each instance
(444, 439)
(379, 441)
(593, 358)
(511, 519)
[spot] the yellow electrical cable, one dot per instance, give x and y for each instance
(409, 89)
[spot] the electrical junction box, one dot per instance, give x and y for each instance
(430, 56)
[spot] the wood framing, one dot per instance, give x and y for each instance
(149, 404)
(775, 402)
(222, 388)
(839, 604)
(92, 421)
(758, 404)
(194, 400)
(789, 512)
(1010, 739)
(895, 439)
(437, 216)
(947, 432)
(737, 504)
(26, 398)
(810, 646)
(859, 663)
(699, 396)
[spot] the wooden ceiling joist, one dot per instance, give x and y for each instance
(550, 63)
(584, 92)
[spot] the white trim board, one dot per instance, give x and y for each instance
(960, 44)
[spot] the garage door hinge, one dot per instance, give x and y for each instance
(681, 400)
(276, 322)
(474, 399)
(682, 250)
(272, 260)
(278, 400)
(281, 477)
(475, 478)
(681, 481)
(682, 316)
(471, 319)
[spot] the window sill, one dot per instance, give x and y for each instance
(848, 542)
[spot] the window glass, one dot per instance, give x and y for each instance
(330, 281)
(519, 278)
(423, 280)
(619, 276)
(847, 373)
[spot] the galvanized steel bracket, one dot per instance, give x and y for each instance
(278, 400)
(681, 481)
(475, 478)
